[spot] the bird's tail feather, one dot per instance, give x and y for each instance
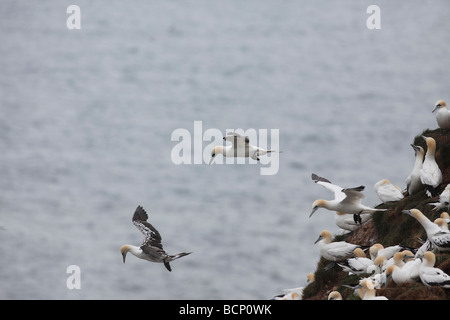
(179, 255)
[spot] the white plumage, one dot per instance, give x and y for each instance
(430, 275)
(430, 174)
(387, 192)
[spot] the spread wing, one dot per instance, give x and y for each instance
(152, 237)
(236, 138)
(338, 194)
(353, 195)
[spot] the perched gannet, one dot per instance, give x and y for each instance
(334, 251)
(151, 248)
(378, 271)
(402, 272)
(387, 192)
(289, 296)
(412, 265)
(346, 221)
(358, 264)
(438, 237)
(379, 265)
(288, 293)
(430, 275)
(441, 223)
(444, 200)
(430, 174)
(334, 295)
(370, 291)
(442, 114)
(378, 249)
(345, 200)
(413, 182)
(240, 147)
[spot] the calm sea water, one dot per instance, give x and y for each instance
(87, 117)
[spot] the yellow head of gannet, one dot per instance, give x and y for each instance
(445, 215)
(124, 250)
(334, 295)
(320, 203)
(358, 252)
(441, 223)
(429, 259)
(324, 235)
(439, 104)
(431, 146)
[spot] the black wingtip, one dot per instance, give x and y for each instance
(140, 214)
(316, 178)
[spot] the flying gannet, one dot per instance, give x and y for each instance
(151, 248)
(345, 200)
(240, 147)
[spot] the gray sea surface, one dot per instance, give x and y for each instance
(87, 117)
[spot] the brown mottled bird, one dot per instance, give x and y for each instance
(151, 248)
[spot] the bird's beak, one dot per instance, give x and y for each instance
(388, 278)
(318, 239)
(424, 138)
(408, 212)
(406, 257)
(313, 210)
(212, 158)
(415, 147)
(124, 255)
(435, 108)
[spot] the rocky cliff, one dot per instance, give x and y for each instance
(391, 228)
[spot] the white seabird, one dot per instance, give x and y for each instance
(442, 114)
(358, 264)
(387, 192)
(444, 200)
(378, 266)
(289, 296)
(430, 275)
(370, 291)
(402, 272)
(240, 147)
(346, 221)
(151, 248)
(412, 265)
(378, 249)
(334, 295)
(345, 200)
(334, 251)
(295, 293)
(377, 271)
(438, 237)
(430, 174)
(413, 182)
